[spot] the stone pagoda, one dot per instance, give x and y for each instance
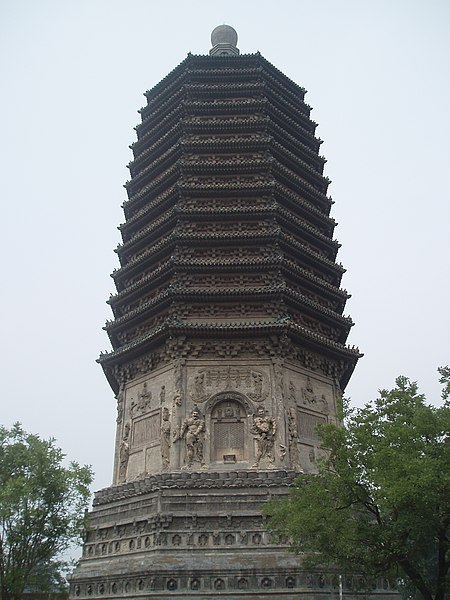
(228, 337)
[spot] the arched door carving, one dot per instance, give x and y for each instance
(228, 432)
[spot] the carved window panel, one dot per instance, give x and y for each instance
(228, 432)
(146, 430)
(307, 423)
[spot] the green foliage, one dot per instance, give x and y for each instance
(380, 503)
(42, 506)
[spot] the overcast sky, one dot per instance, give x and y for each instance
(73, 74)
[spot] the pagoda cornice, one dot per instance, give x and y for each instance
(158, 204)
(217, 124)
(156, 168)
(143, 235)
(266, 208)
(205, 164)
(223, 187)
(166, 178)
(152, 143)
(156, 112)
(322, 286)
(150, 154)
(305, 137)
(282, 193)
(228, 330)
(316, 309)
(298, 113)
(296, 146)
(293, 162)
(266, 233)
(179, 292)
(292, 220)
(200, 90)
(164, 244)
(151, 127)
(306, 251)
(251, 141)
(227, 106)
(191, 265)
(142, 285)
(310, 192)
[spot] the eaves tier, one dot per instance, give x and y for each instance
(227, 231)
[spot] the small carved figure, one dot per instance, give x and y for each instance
(199, 387)
(293, 437)
(264, 429)
(324, 404)
(177, 399)
(120, 399)
(308, 394)
(165, 439)
(124, 454)
(162, 394)
(292, 392)
(193, 428)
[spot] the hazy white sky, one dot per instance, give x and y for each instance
(73, 74)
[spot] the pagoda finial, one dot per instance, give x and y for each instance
(224, 40)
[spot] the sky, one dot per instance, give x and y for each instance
(73, 75)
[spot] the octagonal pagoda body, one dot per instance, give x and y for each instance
(228, 310)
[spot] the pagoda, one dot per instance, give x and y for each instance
(228, 337)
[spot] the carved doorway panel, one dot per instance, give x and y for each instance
(228, 432)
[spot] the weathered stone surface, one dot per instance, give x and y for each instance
(228, 340)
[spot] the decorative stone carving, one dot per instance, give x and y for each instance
(308, 395)
(162, 394)
(143, 404)
(120, 400)
(293, 438)
(124, 454)
(251, 382)
(193, 429)
(165, 439)
(264, 429)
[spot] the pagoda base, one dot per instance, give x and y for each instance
(195, 534)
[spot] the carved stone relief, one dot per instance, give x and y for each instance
(165, 439)
(192, 429)
(293, 438)
(264, 429)
(249, 381)
(228, 425)
(143, 405)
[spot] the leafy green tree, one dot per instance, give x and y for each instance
(380, 502)
(42, 504)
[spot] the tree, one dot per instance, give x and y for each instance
(42, 506)
(380, 502)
